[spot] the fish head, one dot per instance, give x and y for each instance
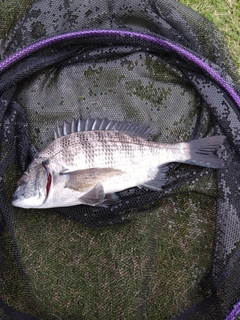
(34, 185)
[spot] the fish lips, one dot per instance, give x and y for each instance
(20, 200)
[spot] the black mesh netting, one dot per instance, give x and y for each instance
(156, 255)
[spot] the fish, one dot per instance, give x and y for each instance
(91, 160)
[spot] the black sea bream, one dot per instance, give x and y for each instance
(90, 160)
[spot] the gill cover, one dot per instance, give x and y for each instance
(34, 185)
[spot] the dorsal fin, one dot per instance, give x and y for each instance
(89, 124)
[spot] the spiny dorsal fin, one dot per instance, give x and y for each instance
(89, 124)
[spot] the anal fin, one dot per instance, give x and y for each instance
(158, 181)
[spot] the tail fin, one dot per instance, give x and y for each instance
(203, 152)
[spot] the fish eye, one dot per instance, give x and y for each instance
(23, 179)
(45, 163)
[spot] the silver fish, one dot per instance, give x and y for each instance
(90, 160)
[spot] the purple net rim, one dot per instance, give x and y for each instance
(122, 33)
(234, 313)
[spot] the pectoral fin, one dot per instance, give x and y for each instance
(81, 180)
(90, 180)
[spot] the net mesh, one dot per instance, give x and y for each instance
(156, 255)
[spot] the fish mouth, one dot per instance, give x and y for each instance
(14, 198)
(18, 195)
(19, 200)
(26, 203)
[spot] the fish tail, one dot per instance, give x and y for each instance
(203, 152)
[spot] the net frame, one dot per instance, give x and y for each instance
(95, 35)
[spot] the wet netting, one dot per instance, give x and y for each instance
(170, 254)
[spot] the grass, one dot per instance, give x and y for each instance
(225, 14)
(150, 268)
(82, 269)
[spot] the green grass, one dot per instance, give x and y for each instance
(77, 270)
(225, 14)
